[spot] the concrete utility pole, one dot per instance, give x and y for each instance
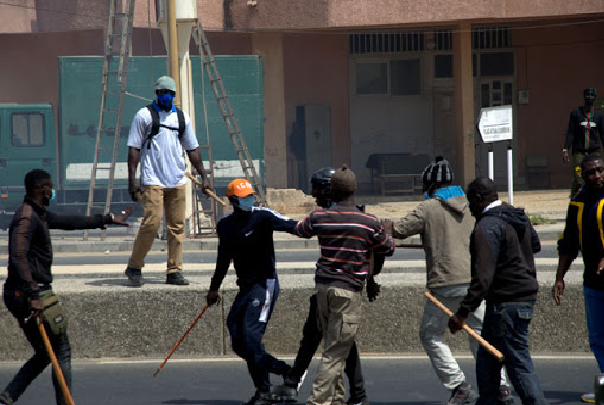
(176, 20)
(173, 48)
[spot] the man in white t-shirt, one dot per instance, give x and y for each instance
(159, 135)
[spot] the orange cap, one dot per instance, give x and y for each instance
(240, 188)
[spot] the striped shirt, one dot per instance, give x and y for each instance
(346, 236)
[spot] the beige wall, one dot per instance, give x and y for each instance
(316, 72)
(18, 18)
(316, 14)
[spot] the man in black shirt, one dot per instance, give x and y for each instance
(245, 237)
(28, 285)
(584, 135)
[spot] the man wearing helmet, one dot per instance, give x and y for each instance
(159, 134)
(245, 237)
(445, 223)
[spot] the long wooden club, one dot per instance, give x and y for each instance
(490, 348)
(180, 341)
(55, 364)
(207, 191)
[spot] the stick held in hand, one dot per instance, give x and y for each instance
(55, 365)
(207, 190)
(490, 348)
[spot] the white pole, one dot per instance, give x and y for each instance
(510, 175)
(491, 163)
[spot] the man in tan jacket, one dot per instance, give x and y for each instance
(445, 223)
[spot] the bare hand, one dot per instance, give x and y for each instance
(600, 266)
(388, 225)
(456, 323)
(373, 290)
(558, 291)
(134, 189)
(37, 309)
(212, 298)
(121, 218)
(565, 157)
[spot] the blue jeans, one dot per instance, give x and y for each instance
(251, 310)
(506, 326)
(594, 316)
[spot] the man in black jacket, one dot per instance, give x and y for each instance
(585, 131)
(245, 237)
(503, 273)
(29, 279)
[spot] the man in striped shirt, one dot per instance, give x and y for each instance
(346, 236)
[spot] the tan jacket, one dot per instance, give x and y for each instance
(445, 226)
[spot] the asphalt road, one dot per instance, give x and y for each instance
(281, 256)
(389, 381)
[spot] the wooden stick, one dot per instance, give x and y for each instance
(206, 191)
(498, 355)
(55, 364)
(180, 341)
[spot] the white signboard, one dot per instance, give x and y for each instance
(496, 124)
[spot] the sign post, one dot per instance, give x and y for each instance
(497, 124)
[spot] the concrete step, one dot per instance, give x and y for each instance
(109, 319)
(72, 242)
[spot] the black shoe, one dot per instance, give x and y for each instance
(505, 396)
(176, 279)
(6, 399)
(134, 276)
(283, 393)
(462, 395)
(259, 398)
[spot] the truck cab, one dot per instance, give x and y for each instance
(27, 141)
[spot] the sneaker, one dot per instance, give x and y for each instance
(134, 276)
(590, 398)
(259, 398)
(463, 394)
(505, 396)
(283, 393)
(176, 279)
(6, 399)
(293, 381)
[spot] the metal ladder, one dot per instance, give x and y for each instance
(117, 44)
(205, 209)
(209, 63)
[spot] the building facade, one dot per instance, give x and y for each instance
(357, 81)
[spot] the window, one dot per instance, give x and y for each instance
(27, 129)
(497, 64)
(443, 66)
(405, 77)
(372, 78)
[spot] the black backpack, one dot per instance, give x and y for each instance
(155, 124)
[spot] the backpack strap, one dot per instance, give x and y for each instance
(154, 125)
(181, 124)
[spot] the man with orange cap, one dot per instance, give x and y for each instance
(245, 237)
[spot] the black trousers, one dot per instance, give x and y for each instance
(16, 303)
(311, 338)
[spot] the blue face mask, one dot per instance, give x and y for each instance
(165, 100)
(246, 203)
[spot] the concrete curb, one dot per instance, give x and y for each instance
(108, 319)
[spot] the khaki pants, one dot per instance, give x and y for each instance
(338, 317)
(155, 200)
